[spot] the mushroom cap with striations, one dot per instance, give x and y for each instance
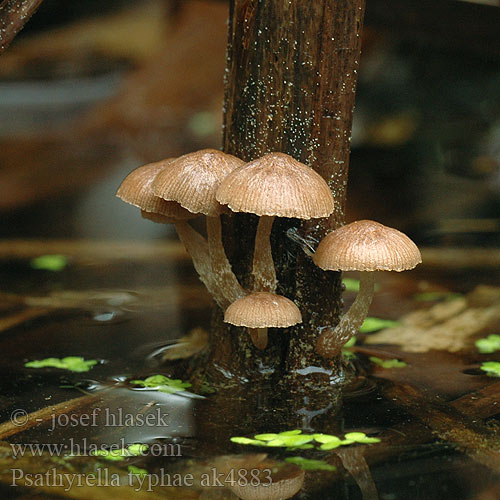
(366, 245)
(159, 218)
(193, 179)
(262, 310)
(136, 190)
(276, 184)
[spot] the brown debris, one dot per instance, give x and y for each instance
(448, 326)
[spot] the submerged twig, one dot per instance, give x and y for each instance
(43, 415)
(354, 462)
(476, 440)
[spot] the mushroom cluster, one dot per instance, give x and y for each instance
(211, 183)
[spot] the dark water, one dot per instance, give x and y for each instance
(424, 159)
(121, 327)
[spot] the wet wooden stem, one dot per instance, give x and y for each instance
(290, 86)
(14, 14)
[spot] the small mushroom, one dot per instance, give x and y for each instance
(365, 246)
(136, 190)
(192, 180)
(261, 310)
(268, 480)
(274, 185)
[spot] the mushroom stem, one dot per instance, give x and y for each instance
(197, 248)
(226, 282)
(331, 340)
(263, 271)
(259, 337)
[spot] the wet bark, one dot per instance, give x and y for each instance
(14, 14)
(290, 86)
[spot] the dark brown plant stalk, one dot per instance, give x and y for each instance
(290, 87)
(14, 14)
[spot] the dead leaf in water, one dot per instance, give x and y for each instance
(448, 326)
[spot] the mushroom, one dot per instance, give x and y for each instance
(364, 246)
(268, 480)
(261, 310)
(136, 190)
(274, 185)
(192, 180)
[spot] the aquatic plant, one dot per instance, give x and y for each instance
(138, 471)
(492, 368)
(489, 344)
(364, 246)
(294, 439)
(52, 262)
(116, 455)
(161, 383)
(72, 363)
(387, 363)
(310, 464)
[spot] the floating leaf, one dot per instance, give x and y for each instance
(387, 363)
(72, 363)
(308, 464)
(492, 368)
(360, 437)
(54, 262)
(488, 345)
(162, 384)
(326, 438)
(245, 440)
(373, 324)
(331, 445)
(295, 440)
(266, 437)
(132, 450)
(274, 443)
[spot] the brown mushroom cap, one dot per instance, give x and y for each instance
(158, 218)
(275, 481)
(262, 310)
(366, 245)
(276, 184)
(193, 179)
(136, 190)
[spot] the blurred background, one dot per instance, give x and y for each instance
(89, 93)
